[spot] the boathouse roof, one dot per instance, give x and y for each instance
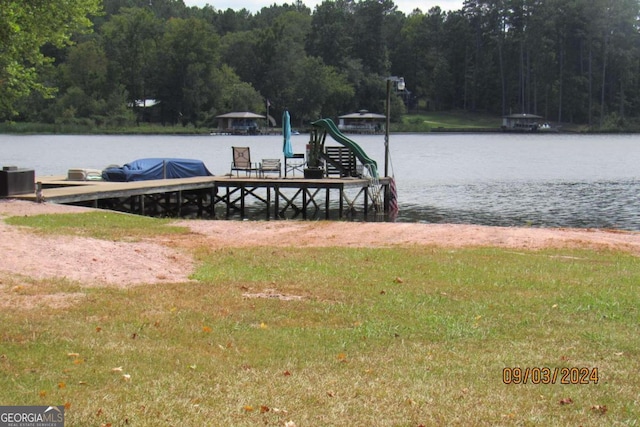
(241, 115)
(363, 114)
(522, 116)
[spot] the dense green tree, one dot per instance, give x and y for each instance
(225, 22)
(319, 91)
(367, 29)
(456, 39)
(575, 60)
(131, 39)
(25, 27)
(280, 54)
(162, 9)
(267, 15)
(86, 68)
(239, 50)
(330, 36)
(188, 54)
(230, 93)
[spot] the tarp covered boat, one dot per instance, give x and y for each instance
(156, 168)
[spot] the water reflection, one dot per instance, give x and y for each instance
(606, 204)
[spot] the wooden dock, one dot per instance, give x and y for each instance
(223, 197)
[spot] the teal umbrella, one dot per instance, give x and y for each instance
(287, 149)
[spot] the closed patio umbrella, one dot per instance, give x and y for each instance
(287, 149)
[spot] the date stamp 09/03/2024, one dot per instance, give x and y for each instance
(545, 375)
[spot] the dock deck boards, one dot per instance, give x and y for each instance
(232, 192)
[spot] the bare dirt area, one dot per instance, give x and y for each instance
(93, 262)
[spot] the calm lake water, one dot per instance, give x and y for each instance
(553, 180)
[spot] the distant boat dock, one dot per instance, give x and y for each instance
(221, 197)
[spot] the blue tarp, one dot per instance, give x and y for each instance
(146, 169)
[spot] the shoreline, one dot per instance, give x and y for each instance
(357, 234)
(170, 258)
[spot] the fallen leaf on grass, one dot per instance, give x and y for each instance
(398, 280)
(118, 369)
(247, 408)
(264, 409)
(206, 329)
(602, 409)
(61, 384)
(565, 401)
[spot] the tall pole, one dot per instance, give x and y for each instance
(386, 145)
(386, 130)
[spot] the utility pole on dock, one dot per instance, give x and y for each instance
(399, 87)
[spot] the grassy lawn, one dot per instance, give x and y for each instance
(460, 121)
(67, 129)
(336, 337)
(426, 122)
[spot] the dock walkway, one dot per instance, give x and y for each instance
(217, 197)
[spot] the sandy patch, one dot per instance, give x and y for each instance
(93, 262)
(363, 234)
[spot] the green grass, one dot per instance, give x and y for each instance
(99, 224)
(459, 120)
(68, 129)
(382, 337)
(454, 120)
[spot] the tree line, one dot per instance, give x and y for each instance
(567, 60)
